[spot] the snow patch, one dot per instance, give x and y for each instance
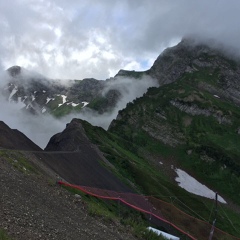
(49, 99)
(28, 106)
(44, 110)
(75, 104)
(161, 163)
(15, 89)
(43, 91)
(163, 234)
(191, 185)
(64, 98)
(85, 104)
(216, 96)
(33, 98)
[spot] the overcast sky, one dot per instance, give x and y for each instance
(72, 39)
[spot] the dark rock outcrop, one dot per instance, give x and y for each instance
(73, 138)
(190, 56)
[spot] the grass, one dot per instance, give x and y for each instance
(133, 74)
(65, 109)
(19, 161)
(98, 103)
(4, 235)
(204, 136)
(124, 155)
(111, 211)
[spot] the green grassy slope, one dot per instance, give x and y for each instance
(147, 179)
(192, 123)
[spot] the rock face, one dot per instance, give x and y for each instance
(73, 138)
(194, 110)
(14, 71)
(190, 57)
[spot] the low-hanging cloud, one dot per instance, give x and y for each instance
(40, 128)
(129, 89)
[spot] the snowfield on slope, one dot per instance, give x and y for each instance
(191, 185)
(15, 89)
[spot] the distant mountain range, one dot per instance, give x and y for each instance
(40, 95)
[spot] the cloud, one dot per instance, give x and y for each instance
(76, 39)
(129, 89)
(40, 128)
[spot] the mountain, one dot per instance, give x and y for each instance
(189, 122)
(75, 158)
(193, 119)
(217, 72)
(40, 95)
(148, 172)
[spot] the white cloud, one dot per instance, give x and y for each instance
(38, 128)
(77, 39)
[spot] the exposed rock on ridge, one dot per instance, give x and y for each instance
(189, 57)
(73, 138)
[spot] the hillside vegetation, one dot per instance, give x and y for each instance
(191, 122)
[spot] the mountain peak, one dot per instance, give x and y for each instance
(14, 71)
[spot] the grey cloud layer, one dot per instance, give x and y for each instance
(77, 39)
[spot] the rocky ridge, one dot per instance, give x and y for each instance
(190, 57)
